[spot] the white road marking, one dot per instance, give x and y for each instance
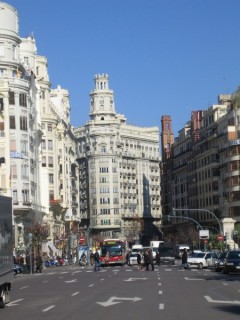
(210, 300)
(13, 303)
(159, 284)
(111, 301)
(71, 281)
(160, 292)
(47, 309)
(161, 306)
(134, 279)
(75, 293)
(23, 287)
(225, 284)
(91, 285)
(186, 278)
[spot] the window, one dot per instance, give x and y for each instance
(1, 129)
(24, 147)
(11, 98)
(12, 123)
(104, 200)
(51, 195)
(2, 49)
(13, 147)
(15, 197)
(50, 162)
(44, 161)
(23, 99)
(25, 196)
(1, 104)
(24, 171)
(14, 171)
(44, 144)
(50, 178)
(49, 127)
(23, 123)
(50, 145)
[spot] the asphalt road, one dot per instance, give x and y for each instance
(124, 293)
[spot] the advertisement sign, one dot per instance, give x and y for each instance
(203, 234)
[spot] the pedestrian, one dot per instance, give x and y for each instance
(96, 261)
(28, 262)
(158, 259)
(146, 263)
(39, 264)
(150, 259)
(91, 258)
(107, 258)
(139, 260)
(185, 259)
(128, 257)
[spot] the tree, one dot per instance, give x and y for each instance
(39, 233)
(236, 99)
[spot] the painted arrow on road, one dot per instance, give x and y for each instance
(135, 279)
(186, 278)
(71, 281)
(209, 299)
(111, 301)
(13, 303)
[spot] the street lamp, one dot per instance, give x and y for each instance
(205, 210)
(187, 218)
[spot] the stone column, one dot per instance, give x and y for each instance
(228, 229)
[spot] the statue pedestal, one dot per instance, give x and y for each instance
(228, 229)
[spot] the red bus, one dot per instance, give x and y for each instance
(116, 249)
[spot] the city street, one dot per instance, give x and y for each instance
(118, 293)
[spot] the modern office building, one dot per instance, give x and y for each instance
(119, 171)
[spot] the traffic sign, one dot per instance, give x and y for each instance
(220, 238)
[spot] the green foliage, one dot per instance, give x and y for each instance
(39, 233)
(236, 99)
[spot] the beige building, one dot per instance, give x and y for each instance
(204, 170)
(119, 171)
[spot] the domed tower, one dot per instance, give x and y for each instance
(9, 35)
(102, 100)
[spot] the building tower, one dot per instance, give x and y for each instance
(119, 171)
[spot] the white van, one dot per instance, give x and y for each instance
(136, 247)
(154, 245)
(179, 250)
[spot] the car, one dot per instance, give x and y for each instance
(167, 253)
(133, 258)
(232, 262)
(203, 259)
(17, 269)
(220, 262)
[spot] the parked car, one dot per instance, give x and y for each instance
(17, 269)
(232, 262)
(220, 262)
(203, 259)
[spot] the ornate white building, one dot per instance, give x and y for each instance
(119, 171)
(36, 138)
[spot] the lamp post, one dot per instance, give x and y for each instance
(204, 210)
(187, 218)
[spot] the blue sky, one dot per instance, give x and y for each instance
(163, 57)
